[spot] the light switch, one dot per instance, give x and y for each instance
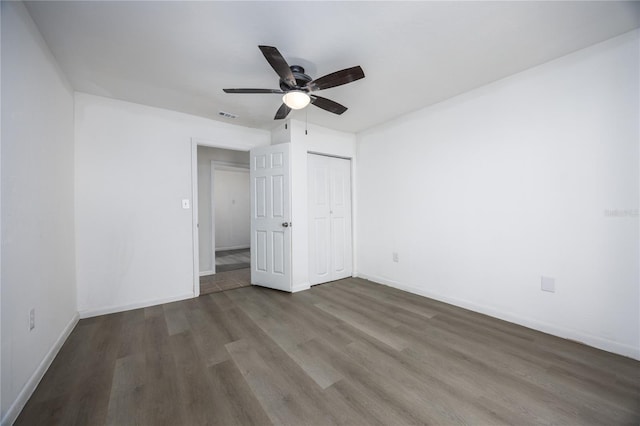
(185, 204)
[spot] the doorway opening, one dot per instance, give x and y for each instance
(222, 219)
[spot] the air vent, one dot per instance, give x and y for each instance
(227, 114)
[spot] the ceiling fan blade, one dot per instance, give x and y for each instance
(337, 78)
(328, 104)
(280, 66)
(283, 111)
(252, 91)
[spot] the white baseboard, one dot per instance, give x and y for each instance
(587, 339)
(204, 273)
(88, 313)
(14, 410)
(300, 287)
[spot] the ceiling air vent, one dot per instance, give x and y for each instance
(227, 114)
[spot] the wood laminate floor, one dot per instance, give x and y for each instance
(229, 260)
(349, 352)
(222, 281)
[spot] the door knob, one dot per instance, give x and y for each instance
(285, 224)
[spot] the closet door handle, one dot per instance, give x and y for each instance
(285, 224)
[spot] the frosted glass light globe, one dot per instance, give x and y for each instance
(296, 99)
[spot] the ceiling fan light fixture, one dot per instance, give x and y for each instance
(296, 99)
(295, 85)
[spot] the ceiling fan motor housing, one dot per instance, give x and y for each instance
(301, 79)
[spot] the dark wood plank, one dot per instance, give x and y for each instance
(194, 387)
(270, 388)
(233, 400)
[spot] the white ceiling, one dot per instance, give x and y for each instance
(180, 55)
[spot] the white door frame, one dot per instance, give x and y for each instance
(195, 142)
(219, 165)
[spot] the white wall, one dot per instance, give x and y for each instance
(232, 209)
(133, 167)
(207, 154)
(38, 269)
(320, 140)
(483, 194)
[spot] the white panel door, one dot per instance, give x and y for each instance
(330, 254)
(270, 217)
(319, 220)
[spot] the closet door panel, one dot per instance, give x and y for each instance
(340, 212)
(330, 241)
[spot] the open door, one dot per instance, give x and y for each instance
(271, 217)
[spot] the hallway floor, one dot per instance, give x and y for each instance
(225, 281)
(232, 271)
(229, 260)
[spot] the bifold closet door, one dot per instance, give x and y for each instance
(329, 192)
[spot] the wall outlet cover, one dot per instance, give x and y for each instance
(548, 284)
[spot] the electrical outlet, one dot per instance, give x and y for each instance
(548, 284)
(394, 256)
(32, 318)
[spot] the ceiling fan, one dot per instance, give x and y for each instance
(297, 87)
